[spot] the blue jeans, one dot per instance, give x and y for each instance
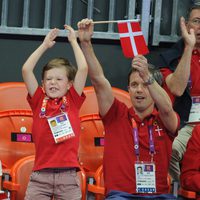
(118, 195)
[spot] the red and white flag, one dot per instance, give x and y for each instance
(131, 38)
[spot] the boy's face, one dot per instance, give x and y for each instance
(140, 97)
(56, 83)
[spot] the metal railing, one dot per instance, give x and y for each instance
(148, 11)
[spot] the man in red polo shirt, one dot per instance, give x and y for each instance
(140, 136)
(182, 80)
(190, 172)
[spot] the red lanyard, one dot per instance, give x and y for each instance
(44, 105)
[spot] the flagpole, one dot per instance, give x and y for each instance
(105, 22)
(115, 21)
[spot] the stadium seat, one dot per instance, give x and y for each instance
(90, 105)
(91, 145)
(98, 187)
(15, 123)
(15, 136)
(13, 96)
(20, 173)
(187, 194)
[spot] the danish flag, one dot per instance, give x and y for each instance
(131, 38)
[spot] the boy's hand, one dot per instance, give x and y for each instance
(50, 37)
(71, 34)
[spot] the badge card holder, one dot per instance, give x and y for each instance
(145, 177)
(61, 127)
(195, 110)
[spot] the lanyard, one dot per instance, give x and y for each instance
(190, 82)
(136, 139)
(44, 105)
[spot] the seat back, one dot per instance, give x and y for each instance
(15, 136)
(91, 145)
(19, 175)
(15, 123)
(13, 96)
(90, 105)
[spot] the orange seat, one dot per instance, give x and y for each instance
(20, 173)
(169, 182)
(90, 105)
(13, 96)
(16, 139)
(15, 123)
(187, 194)
(91, 145)
(98, 188)
(92, 130)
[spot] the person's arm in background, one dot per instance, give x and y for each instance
(81, 74)
(190, 166)
(178, 80)
(28, 67)
(101, 84)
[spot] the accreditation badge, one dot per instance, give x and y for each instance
(195, 110)
(61, 127)
(145, 177)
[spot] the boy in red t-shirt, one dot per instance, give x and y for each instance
(56, 124)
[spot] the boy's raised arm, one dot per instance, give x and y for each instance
(28, 67)
(81, 75)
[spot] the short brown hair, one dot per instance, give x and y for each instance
(153, 70)
(60, 62)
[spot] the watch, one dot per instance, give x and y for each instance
(150, 80)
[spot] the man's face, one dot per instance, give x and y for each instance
(140, 97)
(194, 23)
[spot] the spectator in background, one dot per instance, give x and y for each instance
(182, 81)
(140, 135)
(190, 172)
